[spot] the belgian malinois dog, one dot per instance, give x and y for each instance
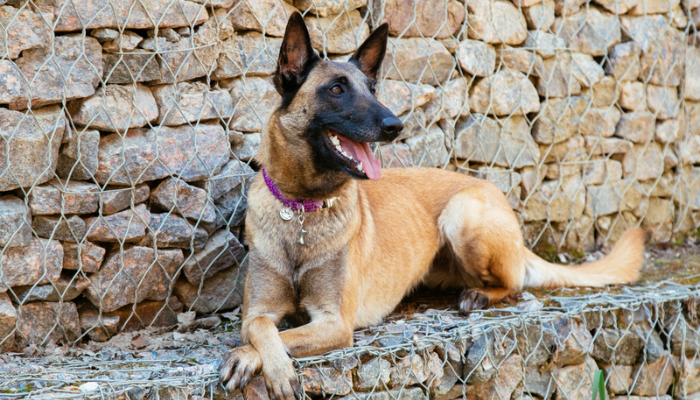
(332, 242)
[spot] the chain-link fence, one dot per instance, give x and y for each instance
(129, 128)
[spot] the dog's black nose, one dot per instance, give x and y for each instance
(392, 125)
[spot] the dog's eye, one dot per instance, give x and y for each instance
(372, 89)
(336, 89)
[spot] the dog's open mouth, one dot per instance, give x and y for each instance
(357, 156)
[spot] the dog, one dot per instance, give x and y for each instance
(337, 248)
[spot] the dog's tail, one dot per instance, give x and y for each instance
(621, 266)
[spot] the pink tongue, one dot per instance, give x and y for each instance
(362, 152)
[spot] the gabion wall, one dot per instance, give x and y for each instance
(129, 128)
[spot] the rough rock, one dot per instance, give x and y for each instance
(400, 97)
(66, 288)
(658, 219)
(589, 31)
(438, 19)
(244, 146)
(232, 176)
(130, 67)
(221, 251)
(248, 15)
(63, 228)
(418, 60)
(475, 57)
(502, 385)
(116, 108)
(586, 70)
(178, 197)
(619, 378)
(606, 199)
(637, 127)
(667, 131)
(691, 87)
(662, 101)
(194, 56)
(527, 62)
(70, 69)
(29, 144)
(373, 375)
(133, 275)
(78, 158)
(506, 92)
(602, 171)
(395, 155)
(662, 50)
(337, 34)
(623, 62)
(148, 314)
(575, 382)
(191, 102)
(451, 101)
(11, 83)
(600, 121)
(479, 138)
(127, 41)
(250, 53)
(568, 7)
(318, 380)
(597, 146)
(646, 7)
(44, 322)
(556, 78)
(428, 149)
(86, 256)
(617, 6)
(632, 96)
(604, 93)
(92, 14)
(98, 327)
(171, 231)
(230, 209)
(114, 199)
(543, 43)
(559, 119)
(222, 291)
(22, 29)
(8, 319)
(415, 369)
(643, 162)
(125, 226)
(253, 100)
(15, 222)
(328, 7)
(653, 379)
(39, 262)
(496, 22)
(58, 197)
(142, 155)
(540, 15)
(557, 201)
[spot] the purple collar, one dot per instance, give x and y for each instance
(293, 204)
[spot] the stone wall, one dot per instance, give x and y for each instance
(128, 131)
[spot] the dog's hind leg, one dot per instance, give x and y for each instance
(480, 227)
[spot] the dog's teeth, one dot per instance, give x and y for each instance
(335, 141)
(360, 166)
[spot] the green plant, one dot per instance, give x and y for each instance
(598, 385)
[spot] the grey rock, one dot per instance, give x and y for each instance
(619, 347)
(63, 228)
(602, 171)
(86, 256)
(653, 379)
(116, 108)
(507, 92)
(126, 41)
(557, 201)
(124, 226)
(556, 78)
(662, 50)
(178, 197)
(525, 61)
(328, 7)
(623, 62)
(373, 374)
(589, 31)
(619, 378)
(600, 121)
(254, 99)
(395, 155)
(104, 34)
(438, 19)
(12, 90)
(643, 162)
(559, 119)
(496, 22)
(538, 383)
(191, 153)
(575, 382)
(400, 97)
(251, 53)
(114, 199)
(428, 149)
(408, 59)
(543, 43)
(274, 14)
(29, 144)
(171, 231)
(230, 209)
(46, 322)
(540, 15)
(99, 327)
(451, 101)
(22, 29)
(645, 7)
(59, 197)
(610, 198)
(414, 369)
(39, 262)
(691, 86)
(69, 69)
(475, 57)
(133, 275)
(479, 138)
(66, 288)
(191, 102)
(234, 175)
(130, 67)
(337, 34)
(662, 101)
(244, 145)
(192, 57)
(78, 158)
(221, 251)
(8, 320)
(586, 70)
(637, 127)
(220, 292)
(15, 222)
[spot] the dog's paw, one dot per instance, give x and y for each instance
(281, 380)
(238, 367)
(471, 300)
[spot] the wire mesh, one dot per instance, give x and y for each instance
(128, 134)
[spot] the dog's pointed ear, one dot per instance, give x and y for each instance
(370, 55)
(297, 56)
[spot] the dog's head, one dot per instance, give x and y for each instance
(329, 112)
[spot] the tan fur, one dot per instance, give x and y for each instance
(375, 244)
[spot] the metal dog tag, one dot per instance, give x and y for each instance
(286, 213)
